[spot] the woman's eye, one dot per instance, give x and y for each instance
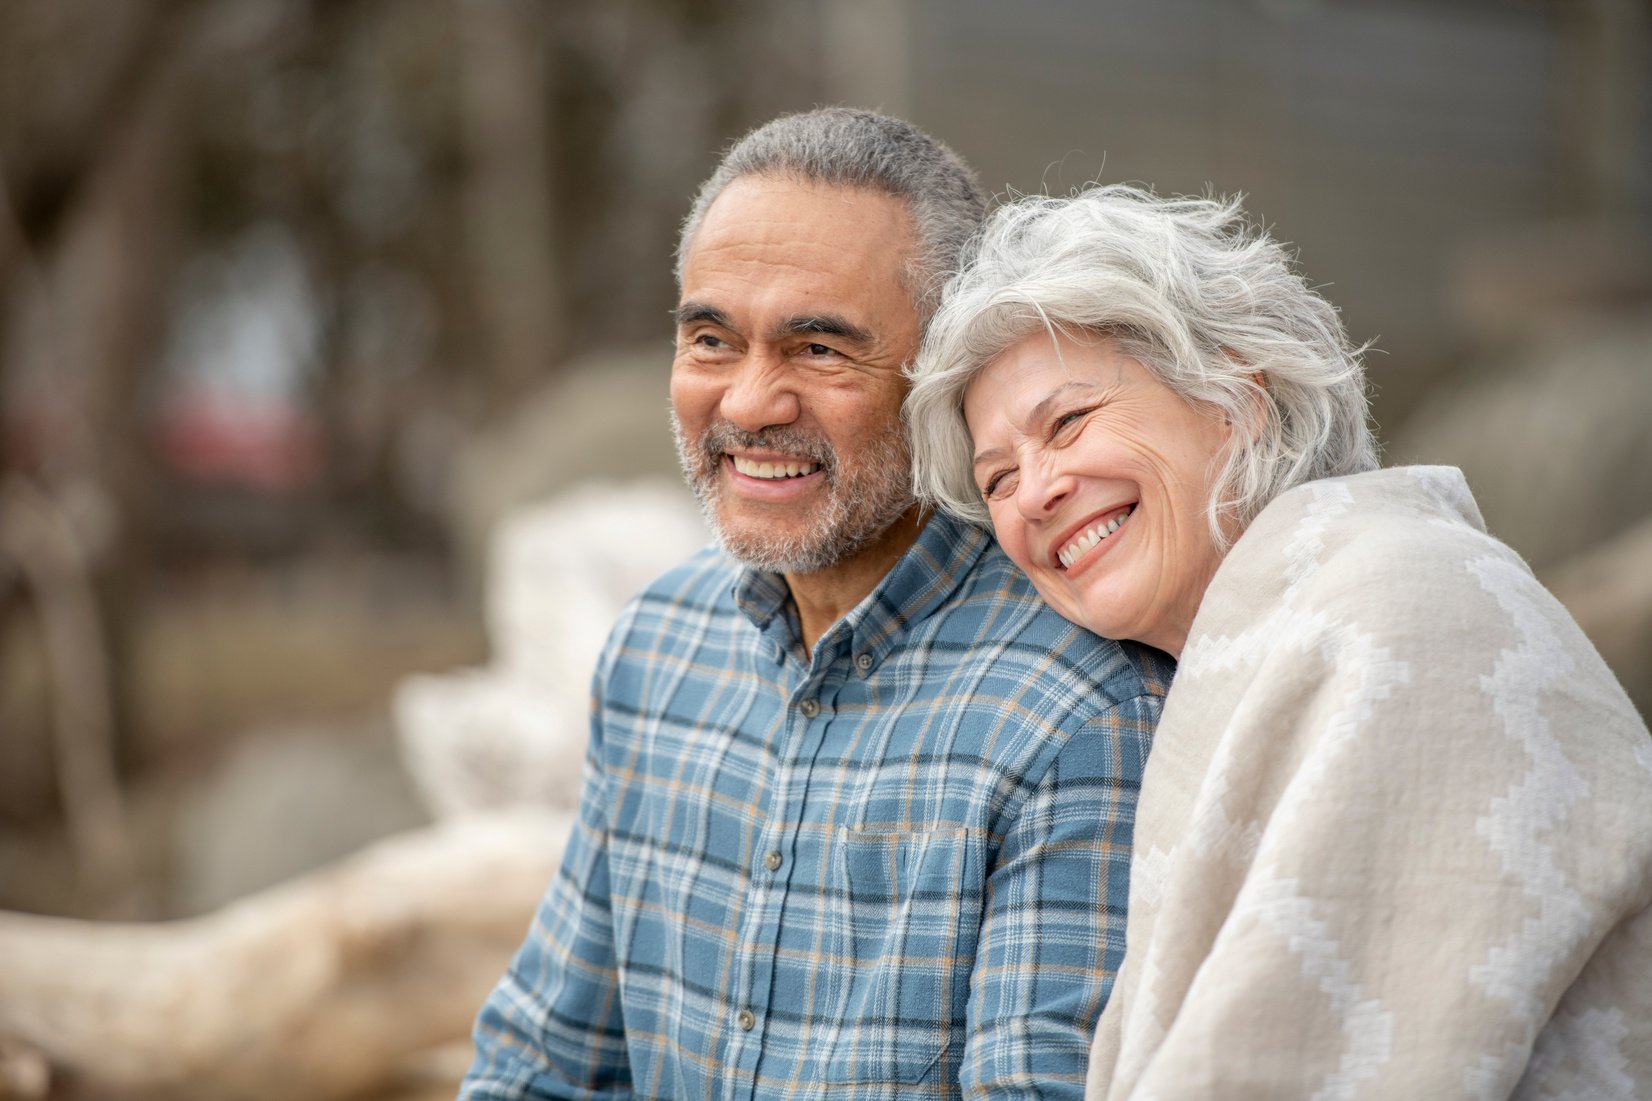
(1070, 418)
(995, 486)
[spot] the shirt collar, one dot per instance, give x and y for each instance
(931, 569)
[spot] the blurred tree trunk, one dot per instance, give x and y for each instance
(51, 153)
(507, 192)
(113, 280)
(91, 193)
(37, 538)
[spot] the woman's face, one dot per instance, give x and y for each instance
(1097, 476)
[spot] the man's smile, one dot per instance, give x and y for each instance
(784, 468)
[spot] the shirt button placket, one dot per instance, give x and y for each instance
(746, 1020)
(810, 708)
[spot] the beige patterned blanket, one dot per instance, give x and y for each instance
(1395, 836)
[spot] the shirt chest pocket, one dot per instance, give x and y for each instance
(904, 928)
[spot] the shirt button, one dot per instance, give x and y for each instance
(811, 708)
(772, 861)
(863, 662)
(746, 1021)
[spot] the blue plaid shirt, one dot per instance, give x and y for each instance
(895, 867)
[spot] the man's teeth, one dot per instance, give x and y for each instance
(1075, 550)
(773, 470)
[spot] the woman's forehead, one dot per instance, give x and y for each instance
(1042, 363)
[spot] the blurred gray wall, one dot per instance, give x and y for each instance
(1391, 140)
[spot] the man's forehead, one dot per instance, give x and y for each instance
(778, 256)
(757, 210)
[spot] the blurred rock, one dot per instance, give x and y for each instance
(602, 417)
(1528, 278)
(560, 572)
(1609, 590)
(515, 731)
(475, 739)
(1553, 439)
(286, 800)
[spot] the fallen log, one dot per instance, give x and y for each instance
(328, 986)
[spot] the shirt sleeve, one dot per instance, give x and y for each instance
(553, 1026)
(1053, 934)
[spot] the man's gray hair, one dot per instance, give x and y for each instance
(1205, 300)
(844, 147)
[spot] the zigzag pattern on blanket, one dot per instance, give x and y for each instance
(1395, 837)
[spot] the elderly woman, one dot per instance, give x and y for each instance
(1395, 835)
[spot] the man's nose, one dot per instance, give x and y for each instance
(1040, 490)
(761, 393)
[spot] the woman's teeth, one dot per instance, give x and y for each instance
(773, 470)
(1075, 550)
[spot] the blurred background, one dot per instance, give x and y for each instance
(301, 300)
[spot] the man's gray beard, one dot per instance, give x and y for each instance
(860, 505)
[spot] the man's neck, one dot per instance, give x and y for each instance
(826, 596)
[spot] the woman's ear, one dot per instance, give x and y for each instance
(1257, 406)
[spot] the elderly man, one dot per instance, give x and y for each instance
(857, 807)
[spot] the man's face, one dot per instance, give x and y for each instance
(786, 387)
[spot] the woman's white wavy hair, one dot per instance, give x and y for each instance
(1187, 286)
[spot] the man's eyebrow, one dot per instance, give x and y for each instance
(690, 313)
(824, 325)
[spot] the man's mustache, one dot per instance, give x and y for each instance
(721, 437)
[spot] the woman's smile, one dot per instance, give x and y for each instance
(1075, 553)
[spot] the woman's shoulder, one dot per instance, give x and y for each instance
(1394, 539)
(1394, 570)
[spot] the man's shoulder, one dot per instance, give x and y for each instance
(996, 617)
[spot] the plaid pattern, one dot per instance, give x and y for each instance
(896, 867)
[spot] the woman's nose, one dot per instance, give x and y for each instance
(1041, 490)
(760, 394)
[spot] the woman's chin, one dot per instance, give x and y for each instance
(1091, 614)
